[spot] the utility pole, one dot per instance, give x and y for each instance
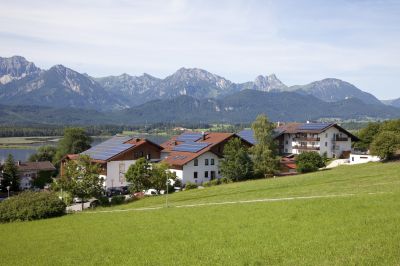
(166, 197)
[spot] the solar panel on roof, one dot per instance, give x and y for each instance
(109, 148)
(247, 135)
(191, 147)
(189, 137)
(313, 126)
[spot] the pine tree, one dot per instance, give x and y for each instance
(10, 175)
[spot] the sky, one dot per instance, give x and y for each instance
(299, 41)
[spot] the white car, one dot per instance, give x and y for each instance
(150, 192)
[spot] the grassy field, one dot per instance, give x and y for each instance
(24, 142)
(354, 218)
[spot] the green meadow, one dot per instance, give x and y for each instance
(345, 216)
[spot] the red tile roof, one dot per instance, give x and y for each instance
(180, 158)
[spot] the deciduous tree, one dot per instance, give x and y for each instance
(82, 178)
(264, 151)
(385, 144)
(75, 140)
(237, 164)
(138, 175)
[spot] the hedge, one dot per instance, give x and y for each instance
(29, 205)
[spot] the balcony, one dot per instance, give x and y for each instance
(308, 139)
(308, 148)
(340, 139)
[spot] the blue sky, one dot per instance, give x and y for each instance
(299, 41)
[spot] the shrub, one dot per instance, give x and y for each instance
(30, 205)
(190, 186)
(119, 199)
(103, 200)
(309, 162)
(226, 180)
(178, 183)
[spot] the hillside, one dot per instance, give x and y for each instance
(240, 107)
(394, 103)
(343, 216)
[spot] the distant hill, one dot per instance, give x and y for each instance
(242, 106)
(190, 94)
(333, 90)
(395, 102)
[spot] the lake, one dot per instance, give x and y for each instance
(23, 154)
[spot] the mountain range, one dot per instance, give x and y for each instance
(188, 94)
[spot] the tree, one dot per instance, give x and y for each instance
(309, 162)
(385, 144)
(82, 178)
(367, 135)
(264, 151)
(138, 175)
(237, 164)
(75, 140)
(10, 175)
(43, 178)
(159, 175)
(44, 153)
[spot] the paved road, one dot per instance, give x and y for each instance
(78, 207)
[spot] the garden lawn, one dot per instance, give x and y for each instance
(359, 225)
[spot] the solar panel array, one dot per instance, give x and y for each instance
(313, 126)
(191, 146)
(247, 135)
(189, 137)
(108, 148)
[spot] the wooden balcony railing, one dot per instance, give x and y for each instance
(310, 148)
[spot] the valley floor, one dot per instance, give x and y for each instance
(347, 215)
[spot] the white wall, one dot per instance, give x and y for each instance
(114, 178)
(325, 137)
(362, 158)
(189, 169)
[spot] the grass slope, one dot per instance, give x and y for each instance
(360, 229)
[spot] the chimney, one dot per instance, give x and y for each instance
(279, 124)
(203, 135)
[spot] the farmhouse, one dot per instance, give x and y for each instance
(195, 157)
(324, 138)
(116, 155)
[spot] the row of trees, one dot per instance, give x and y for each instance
(381, 138)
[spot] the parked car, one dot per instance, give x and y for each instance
(150, 192)
(114, 191)
(125, 190)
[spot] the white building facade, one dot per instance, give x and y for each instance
(333, 142)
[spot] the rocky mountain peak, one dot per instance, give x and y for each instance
(16, 67)
(268, 83)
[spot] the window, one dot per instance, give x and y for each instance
(286, 142)
(196, 162)
(141, 154)
(286, 150)
(148, 157)
(212, 174)
(212, 162)
(194, 175)
(352, 159)
(206, 174)
(326, 144)
(206, 162)
(326, 135)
